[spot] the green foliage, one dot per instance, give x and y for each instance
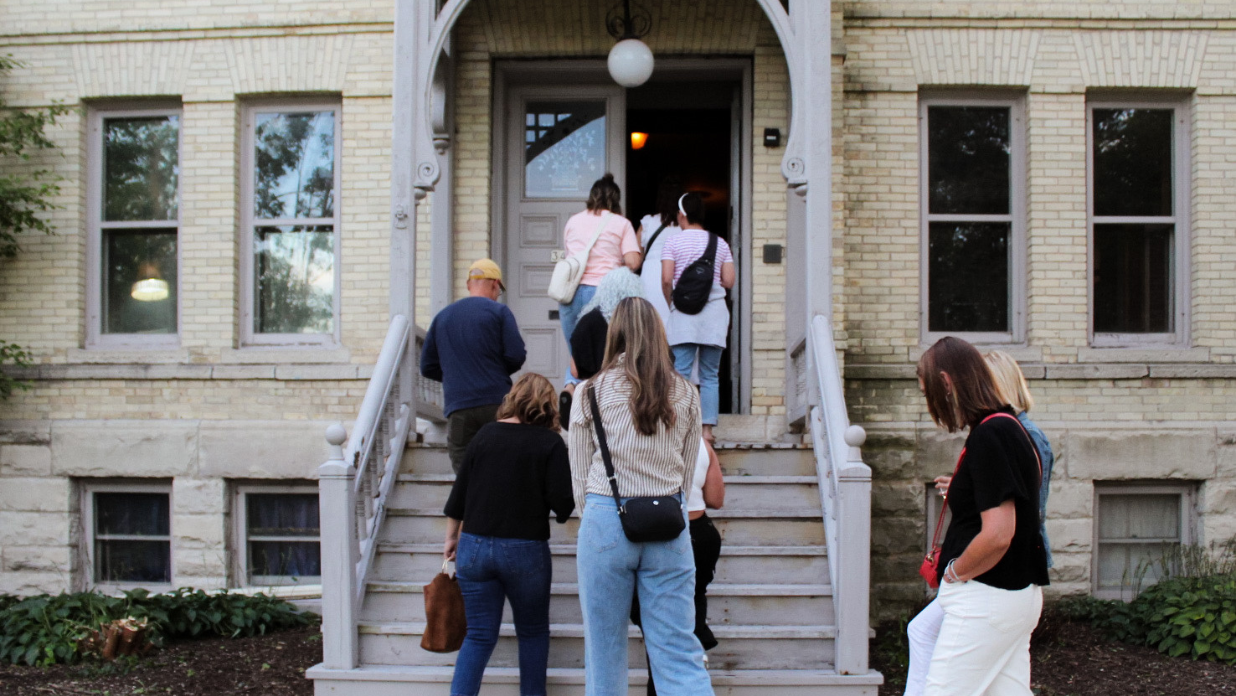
(45, 629)
(1183, 616)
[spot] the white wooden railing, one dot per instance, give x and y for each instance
(845, 492)
(353, 487)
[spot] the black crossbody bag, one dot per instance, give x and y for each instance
(657, 518)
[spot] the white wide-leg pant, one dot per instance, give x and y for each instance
(983, 648)
(922, 632)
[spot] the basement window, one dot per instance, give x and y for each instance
(129, 541)
(1139, 532)
(279, 534)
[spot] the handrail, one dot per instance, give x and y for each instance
(353, 487)
(845, 494)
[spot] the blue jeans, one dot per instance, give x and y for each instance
(490, 570)
(610, 568)
(710, 383)
(569, 315)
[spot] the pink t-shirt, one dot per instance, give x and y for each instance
(686, 247)
(617, 239)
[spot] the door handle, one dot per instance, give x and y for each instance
(553, 315)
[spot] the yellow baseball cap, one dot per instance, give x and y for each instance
(485, 269)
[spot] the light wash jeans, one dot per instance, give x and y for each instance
(610, 568)
(983, 648)
(710, 383)
(569, 315)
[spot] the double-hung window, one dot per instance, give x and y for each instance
(290, 206)
(278, 535)
(972, 210)
(128, 534)
(1138, 210)
(133, 203)
(1139, 532)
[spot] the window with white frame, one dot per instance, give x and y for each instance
(1138, 208)
(278, 535)
(1139, 530)
(971, 195)
(290, 204)
(128, 534)
(133, 203)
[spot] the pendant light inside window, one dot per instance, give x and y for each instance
(150, 286)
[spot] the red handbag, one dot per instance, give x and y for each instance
(930, 569)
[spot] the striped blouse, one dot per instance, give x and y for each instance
(660, 464)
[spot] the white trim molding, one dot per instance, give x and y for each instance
(97, 227)
(1179, 311)
(249, 336)
(1014, 101)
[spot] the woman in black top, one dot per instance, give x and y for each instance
(992, 564)
(515, 472)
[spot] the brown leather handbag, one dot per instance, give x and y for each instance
(445, 622)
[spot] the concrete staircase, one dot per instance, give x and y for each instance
(770, 606)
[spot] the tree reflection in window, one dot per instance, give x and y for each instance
(141, 168)
(564, 148)
(294, 183)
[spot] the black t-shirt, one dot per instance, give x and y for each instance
(588, 343)
(999, 465)
(513, 475)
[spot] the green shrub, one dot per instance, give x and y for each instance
(45, 629)
(1194, 616)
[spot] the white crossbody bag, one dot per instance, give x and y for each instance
(570, 270)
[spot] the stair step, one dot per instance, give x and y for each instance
(714, 589)
(728, 604)
(741, 647)
(737, 565)
(435, 681)
(737, 479)
(576, 630)
(772, 459)
(726, 514)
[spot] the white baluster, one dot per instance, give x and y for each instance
(340, 649)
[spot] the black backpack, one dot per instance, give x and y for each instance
(695, 285)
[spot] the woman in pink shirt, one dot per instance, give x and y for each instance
(616, 245)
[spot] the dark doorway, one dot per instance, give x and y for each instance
(690, 135)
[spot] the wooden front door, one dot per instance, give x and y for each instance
(559, 140)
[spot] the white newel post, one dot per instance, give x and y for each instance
(340, 649)
(854, 494)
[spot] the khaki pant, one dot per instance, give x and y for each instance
(462, 426)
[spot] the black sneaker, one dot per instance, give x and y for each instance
(564, 410)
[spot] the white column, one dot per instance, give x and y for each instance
(340, 647)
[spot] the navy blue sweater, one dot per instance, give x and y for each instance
(472, 347)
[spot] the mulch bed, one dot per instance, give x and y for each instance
(272, 665)
(1072, 659)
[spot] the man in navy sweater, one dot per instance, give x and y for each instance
(473, 347)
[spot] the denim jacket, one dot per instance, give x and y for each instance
(1045, 454)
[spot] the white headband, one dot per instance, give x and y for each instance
(680, 204)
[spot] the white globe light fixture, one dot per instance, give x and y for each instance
(630, 60)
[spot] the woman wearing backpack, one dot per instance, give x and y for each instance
(699, 320)
(616, 245)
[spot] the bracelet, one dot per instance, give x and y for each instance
(949, 569)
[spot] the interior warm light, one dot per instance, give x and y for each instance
(638, 140)
(151, 287)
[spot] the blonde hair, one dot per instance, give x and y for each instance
(533, 401)
(637, 333)
(1010, 381)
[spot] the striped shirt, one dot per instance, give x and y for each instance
(644, 465)
(686, 247)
